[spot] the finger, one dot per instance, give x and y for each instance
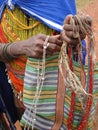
(41, 36)
(53, 48)
(69, 34)
(55, 40)
(68, 27)
(67, 19)
(65, 37)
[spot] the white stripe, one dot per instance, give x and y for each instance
(58, 26)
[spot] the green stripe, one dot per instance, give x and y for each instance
(55, 56)
(32, 69)
(40, 100)
(48, 88)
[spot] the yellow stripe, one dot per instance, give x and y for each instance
(47, 64)
(41, 96)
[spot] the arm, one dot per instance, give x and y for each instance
(32, 47)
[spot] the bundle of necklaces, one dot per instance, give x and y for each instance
(66, 58)
(72, 82)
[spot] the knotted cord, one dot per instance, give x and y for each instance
(71, 80)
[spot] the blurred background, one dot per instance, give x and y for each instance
(90, 7)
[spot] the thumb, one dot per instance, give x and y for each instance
(67, 19)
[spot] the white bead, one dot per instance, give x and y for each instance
(45, 47)
(41, 74)
(43, 78)
(35, 106)
(34, 119)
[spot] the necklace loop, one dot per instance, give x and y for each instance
(46, 43)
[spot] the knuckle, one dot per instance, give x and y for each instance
(39, 35)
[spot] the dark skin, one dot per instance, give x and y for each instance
(37, 50)
(67, 33)
(33, 47)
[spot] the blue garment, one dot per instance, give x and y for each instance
(50, 12)
(83, 51)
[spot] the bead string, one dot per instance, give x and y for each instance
(20, 63)
(17, 67)
(72, 81)
(88, 102)
(71, 112)
(90, 91)
(40, 81)
(20, 25)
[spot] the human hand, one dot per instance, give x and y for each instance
(33, 47)
(72, 34)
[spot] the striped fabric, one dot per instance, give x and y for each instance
(47, 102)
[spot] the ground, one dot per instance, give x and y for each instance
(91, 8)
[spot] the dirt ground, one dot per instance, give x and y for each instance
(92, 10)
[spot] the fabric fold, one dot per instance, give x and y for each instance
(49, 12)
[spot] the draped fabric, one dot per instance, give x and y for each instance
(49, 12)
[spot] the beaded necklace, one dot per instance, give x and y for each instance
(40, 81)
(71, 112)
(72, 81)
(20, 25)
(89, 100)
(11, 28)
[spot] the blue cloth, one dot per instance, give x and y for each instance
(50, 12)
(83, 51)
(7, 95)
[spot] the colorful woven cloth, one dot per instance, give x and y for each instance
(14, 23)
(46, 107)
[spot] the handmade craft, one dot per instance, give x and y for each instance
(65, 98)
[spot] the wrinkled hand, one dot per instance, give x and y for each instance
(33, 47)
(68, 33)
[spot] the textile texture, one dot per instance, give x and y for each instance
(46, 106)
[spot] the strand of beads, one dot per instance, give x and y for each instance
(71, 112)
(73, 82)
(90, 88)
(40, 81)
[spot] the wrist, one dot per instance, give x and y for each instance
(21, 47)
(16, 49)
(7, 53)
